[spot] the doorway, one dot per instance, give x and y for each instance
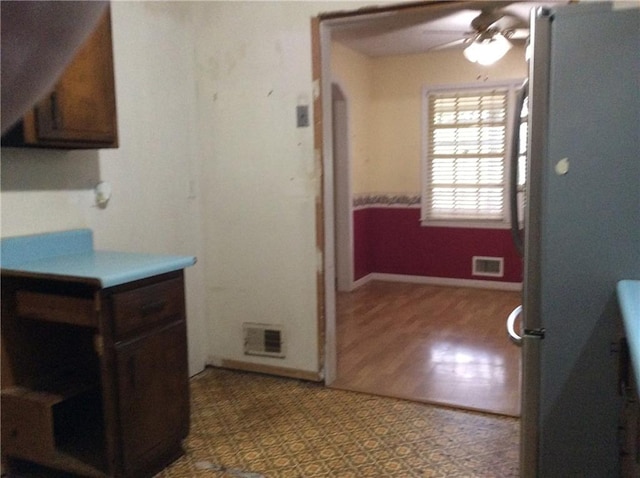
(336, 143)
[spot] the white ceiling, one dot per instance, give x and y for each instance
(418, 30)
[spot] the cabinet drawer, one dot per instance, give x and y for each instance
(149, 305)
(52, 427)
(27, 423)
(56, 308)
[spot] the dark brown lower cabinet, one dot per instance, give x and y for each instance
(630, 434)
(629, 429)
(95, 381)
(153, 408)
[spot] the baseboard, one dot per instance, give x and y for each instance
(362, 281)
(268, 369)
(441, 281)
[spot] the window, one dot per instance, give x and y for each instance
(465, 163)
(522, 158)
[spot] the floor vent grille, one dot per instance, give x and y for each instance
(263, 339)
(488, 266)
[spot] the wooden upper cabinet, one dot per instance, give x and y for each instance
(80, 113)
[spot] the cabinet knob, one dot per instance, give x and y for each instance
(153, 307)
(98, 345)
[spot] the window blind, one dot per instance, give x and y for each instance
(522, 159)
(465, 161)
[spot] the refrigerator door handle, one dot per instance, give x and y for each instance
(527, 333)
(511, 321)
(521, 96)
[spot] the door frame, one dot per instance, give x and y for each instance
(323, 153)
(343, 210)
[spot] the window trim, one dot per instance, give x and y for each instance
(511, 85)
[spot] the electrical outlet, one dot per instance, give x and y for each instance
(302, 116)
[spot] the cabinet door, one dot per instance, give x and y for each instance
(80, 113)
(153, 396)
(82, 107)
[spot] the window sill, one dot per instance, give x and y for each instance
(465, 223)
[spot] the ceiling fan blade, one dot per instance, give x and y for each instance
(509, 22)
(451, 44)
(486, 20)
(516, 33)
(498, 17)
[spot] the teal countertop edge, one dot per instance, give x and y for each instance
(71, 254)
(629, 300)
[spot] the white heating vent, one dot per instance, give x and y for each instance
(263, 339)
(488, 266)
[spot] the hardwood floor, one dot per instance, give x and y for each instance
(431, 344)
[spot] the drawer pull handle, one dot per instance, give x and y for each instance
(153, 307)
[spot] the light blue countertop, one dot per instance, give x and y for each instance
(70, 254)
(629, 299)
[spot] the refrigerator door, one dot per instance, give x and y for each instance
(582, 234)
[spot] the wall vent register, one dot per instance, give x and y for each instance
(488, 266)
(263, 339)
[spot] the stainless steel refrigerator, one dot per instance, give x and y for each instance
(581, 234)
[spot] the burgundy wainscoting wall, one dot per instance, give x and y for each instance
(391, 240)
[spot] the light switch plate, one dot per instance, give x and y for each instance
(302, 116)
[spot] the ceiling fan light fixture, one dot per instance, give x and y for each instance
(486, 51)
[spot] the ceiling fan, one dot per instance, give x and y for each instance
(490, 38)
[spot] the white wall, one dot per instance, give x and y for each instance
(353, 71)
(397, 108)
(254, 68)
(385, 97)
(150, 210)
(207, 93)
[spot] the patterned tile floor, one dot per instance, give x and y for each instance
(248, 425)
